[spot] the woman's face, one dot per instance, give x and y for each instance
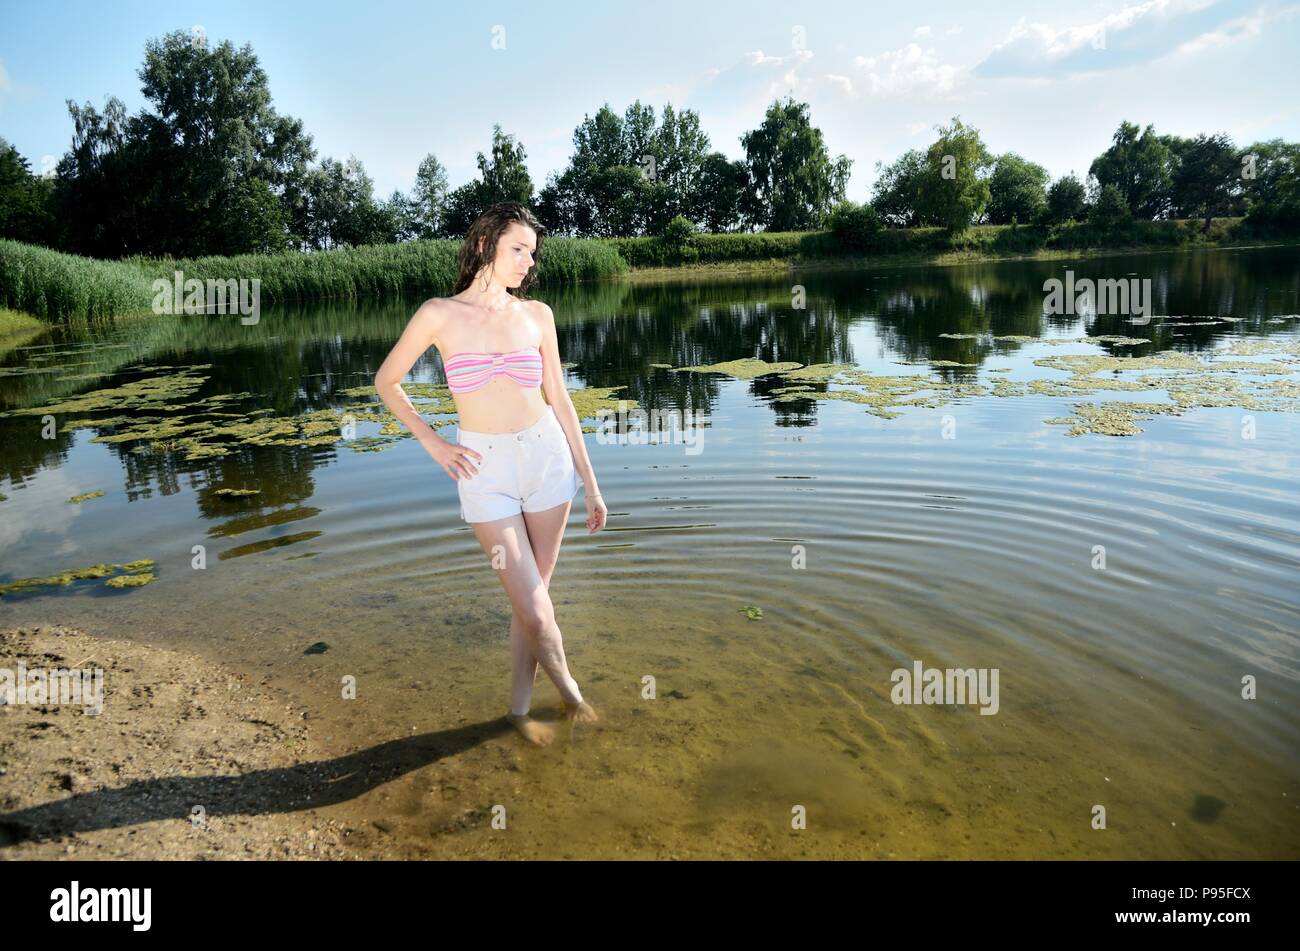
(516, 252)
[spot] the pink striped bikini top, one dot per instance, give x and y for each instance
(470, 371)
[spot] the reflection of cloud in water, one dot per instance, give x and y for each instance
(42, 506)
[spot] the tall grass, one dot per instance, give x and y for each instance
(57, 287)
(376, 271)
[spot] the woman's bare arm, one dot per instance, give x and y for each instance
(558, 396)
(418, 336)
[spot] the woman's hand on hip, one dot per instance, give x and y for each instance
(459, 461)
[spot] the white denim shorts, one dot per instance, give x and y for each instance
(528, 471)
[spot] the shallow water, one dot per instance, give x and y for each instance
(868, 543)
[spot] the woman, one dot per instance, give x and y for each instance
(518, 459)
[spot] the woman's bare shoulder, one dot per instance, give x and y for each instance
(433, 313)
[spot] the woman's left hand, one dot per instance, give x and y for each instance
(596, 513)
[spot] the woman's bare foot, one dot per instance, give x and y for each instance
(581, 711)
(534, 731)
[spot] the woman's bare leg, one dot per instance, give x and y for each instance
(546, 534)
(509, 544)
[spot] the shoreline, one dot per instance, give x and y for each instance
(943, 259)
(177, 735)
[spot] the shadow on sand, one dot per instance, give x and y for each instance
(283, 789)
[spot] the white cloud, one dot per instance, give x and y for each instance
(1135, 34)
(843, 82)
(920, 31)
(904, 71)
(953, 31)
(1242, 28)
(790, 82)
(759, 58)
(679, 91)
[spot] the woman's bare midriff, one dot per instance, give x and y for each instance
(494, 408)
(501, 405)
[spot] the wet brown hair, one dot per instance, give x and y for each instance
(487, 230)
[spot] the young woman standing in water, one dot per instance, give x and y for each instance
(518, 459)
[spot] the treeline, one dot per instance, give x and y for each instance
(209, 167)
(1142, 176)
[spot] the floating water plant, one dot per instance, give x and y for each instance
(131, 569)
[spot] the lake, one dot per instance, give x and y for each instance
(739, 623)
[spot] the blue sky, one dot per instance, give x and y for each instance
(392, 81)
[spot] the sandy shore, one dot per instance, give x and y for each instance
(176, 735)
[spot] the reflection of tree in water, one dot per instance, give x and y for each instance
(298, 358)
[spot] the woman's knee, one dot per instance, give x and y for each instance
(536, 615)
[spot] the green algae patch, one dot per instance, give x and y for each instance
(150, 393)
(130, 569)
(752, 611)
(1009, 388)
(746, 368)
(236, 492)
(594, 401)
(881, 394)
(130, 581)
(371, 443)
(1089, 364)
(1111, 419)
(86, 495)
(816, 372)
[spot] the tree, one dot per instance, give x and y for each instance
(96, 197)
(1139, 166)
(723, 184)
(953, 188)
(503, 175)
(896, 195)
(795, 182)
(1270, 173)
(212, 135)
(680, 149)
(24, 199)
(342, 211)
(1066, 200)
(424, 209)
(629, 176)
(1206, 178)
(1110, 210)
(857, 227)
(1017, 190)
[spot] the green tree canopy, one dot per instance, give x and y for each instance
(1139, 166)
(1017, 190)
(1270, 174)
(1206, 179)
(896, 195)
(954, 188)
(795, 182)
(1066, 200)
